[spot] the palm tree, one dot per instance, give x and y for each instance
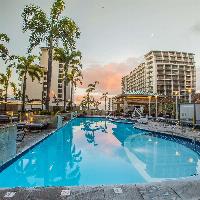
(16, 91)
(71, 60)
(96, 104)
(74, 77)
(5, 82)
(91, 88)
(27, 67)
(52, 30)
(105, 96)
(3, 50)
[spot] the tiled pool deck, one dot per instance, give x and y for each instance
(187, 189)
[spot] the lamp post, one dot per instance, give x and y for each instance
(149, 106)
(190, 95)
(156, 97)
(176, 95)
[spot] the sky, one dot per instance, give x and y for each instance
(115, 34)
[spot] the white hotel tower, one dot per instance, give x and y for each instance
(165, 73)
(37, 90)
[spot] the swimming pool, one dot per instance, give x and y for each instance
(93, 151)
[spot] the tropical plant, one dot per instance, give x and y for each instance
(71, 60)
(27, 67)
(104, 97)
(16, 91)
(52, 30)
(5, 82)
(91, 88)
(74, 77)
(3, 49)
(96, 104)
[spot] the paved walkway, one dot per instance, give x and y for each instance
(31, 139)
(176, 190)
(170, 129)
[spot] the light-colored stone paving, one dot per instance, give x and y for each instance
(160, 127)
(175, 190)
(31, 139)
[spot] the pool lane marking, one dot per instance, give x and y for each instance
(65, 193)
(118, 190)
(9, 194)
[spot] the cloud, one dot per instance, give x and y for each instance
(109, 77)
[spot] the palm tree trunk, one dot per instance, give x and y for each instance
(6, 98)
(24, 93)
(71, 95)
(49, 73)
(88, 101)
(105, 103)
(65, 93)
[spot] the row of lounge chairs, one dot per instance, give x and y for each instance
(7, 119)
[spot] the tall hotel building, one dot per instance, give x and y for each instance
(163, 72)
(38, 90)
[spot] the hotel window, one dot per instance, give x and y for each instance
(59, 96)
(59, 90)
(60, 76)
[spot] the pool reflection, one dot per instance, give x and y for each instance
(157, 158)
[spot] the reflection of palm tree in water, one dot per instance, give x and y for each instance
(90, 131)
(73, 157)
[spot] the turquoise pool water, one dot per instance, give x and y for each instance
(92, 151)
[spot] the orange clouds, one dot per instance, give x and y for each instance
(108, 75)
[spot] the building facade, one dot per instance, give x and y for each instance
(38, 90)
(166, 73)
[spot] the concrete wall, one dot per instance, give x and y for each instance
(7, 143)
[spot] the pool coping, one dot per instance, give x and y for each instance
(182, 190)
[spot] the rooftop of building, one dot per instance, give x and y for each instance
(165, 51)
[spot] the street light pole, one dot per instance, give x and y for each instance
(176, 107)
(190, 95)
(176, 95)
(149, 106)
(156, 106)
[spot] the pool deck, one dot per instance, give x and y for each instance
(175, 190)
(160, 127)
(32, 138)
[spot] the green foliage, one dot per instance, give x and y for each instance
(45, 112)
(88, 100)
(104, 97)
(52, 30)
(5, 82)
(3, 50)
(72, 68)
(16, 91)
(26, 66)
